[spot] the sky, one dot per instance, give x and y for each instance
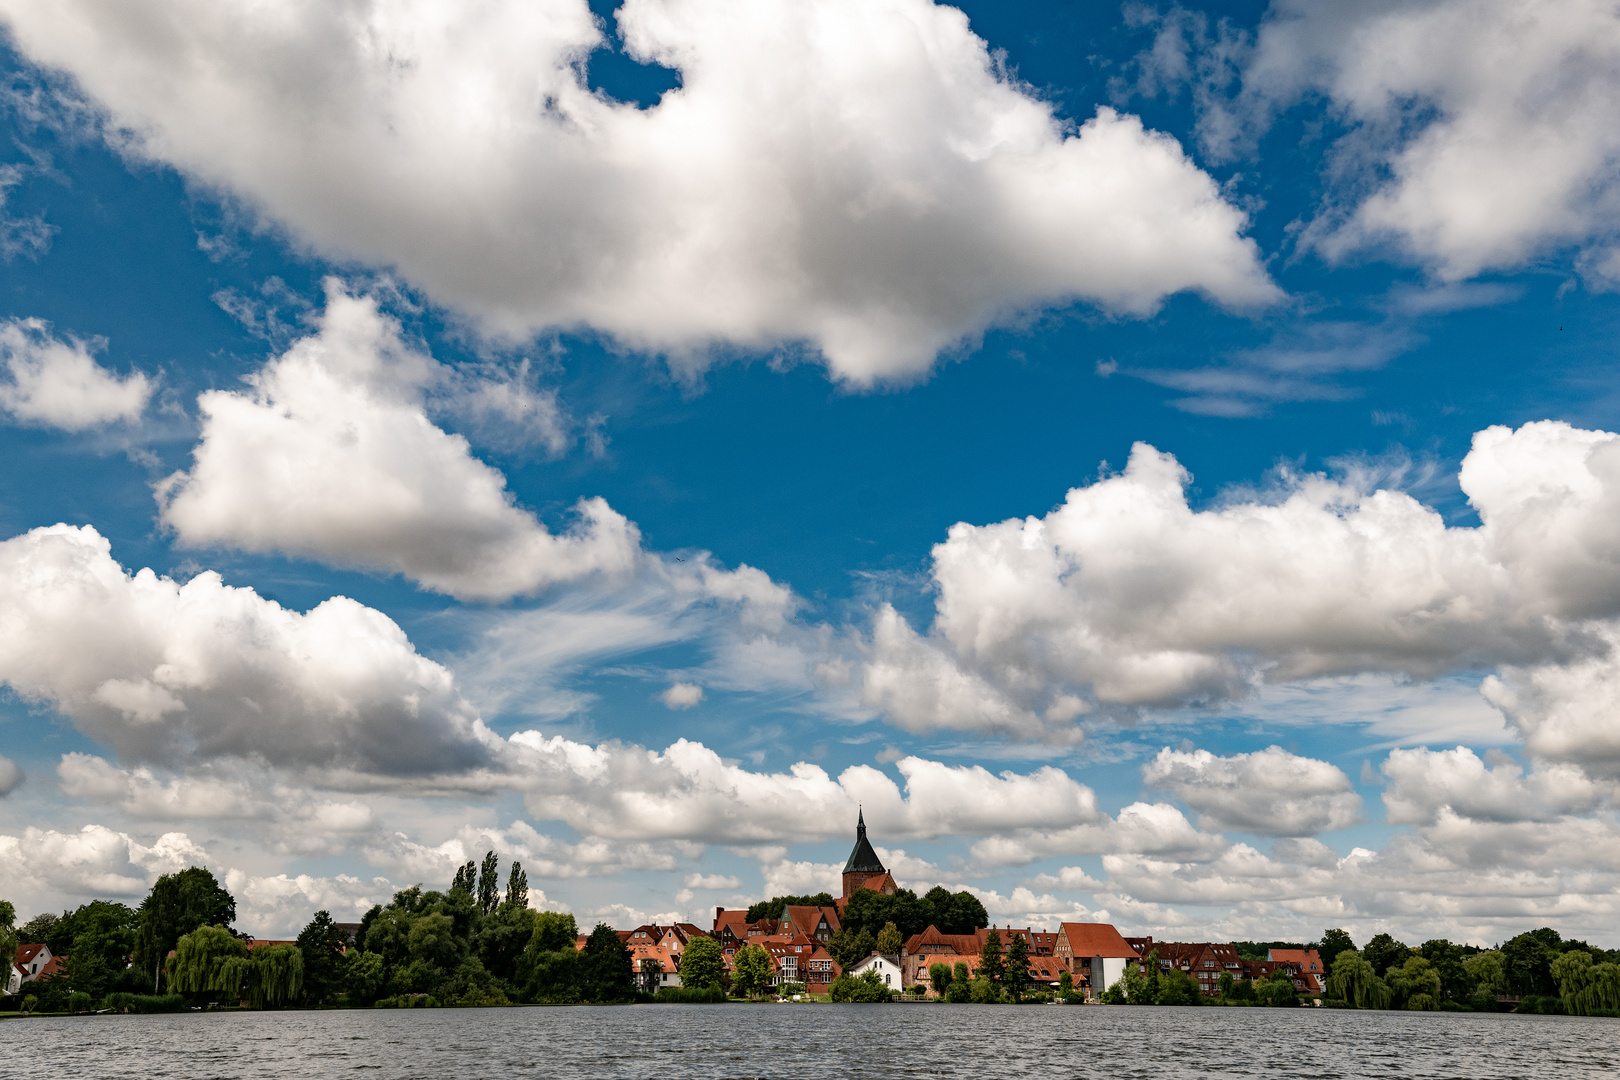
(1156, 462)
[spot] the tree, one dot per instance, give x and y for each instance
(992, 965)
(849, 947)
(1415, 985)
(203, 962)
(984, 991)
(1332, 944)
(750, 970)
(1141, 981)
(939, 977)
(1176, 987)
(1016, 973)
(967, 914)
(1277, 991)
(466, 879)
(489, 883)
(363, 977)
(889, 941)
(553, 930)
(1227, 982)
(864, 988)
(1356, 982)
(517, 886)
(1384, 952)
(278, 976)
(605, 973)
(321, 944)
(1448, 965)
(501, 938)
(1587, 988)
(702, 963)
(177, 905)
(1488, 972)
(8, 930)
(776, 905)
(1066, 989)
(1528, 960)
(96, 941)
(650, 975)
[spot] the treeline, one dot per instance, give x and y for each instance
(474, 944)
(1537, 971)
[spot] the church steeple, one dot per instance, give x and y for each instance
(863, 861)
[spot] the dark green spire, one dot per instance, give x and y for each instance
(863, 859)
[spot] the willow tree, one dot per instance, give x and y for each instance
(1587, 989)
(1355, 981)
(278, 976)
(208, 961)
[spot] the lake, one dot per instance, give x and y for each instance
(814, 1041)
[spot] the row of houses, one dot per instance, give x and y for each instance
(1095, 955)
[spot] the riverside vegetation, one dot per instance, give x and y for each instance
(479, 944)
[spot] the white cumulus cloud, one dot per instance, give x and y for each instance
(681, 695)
(330, 455)
(1481, 134)
(1127, 595)
(59, 383)
(862, 177)
(1271, 791)
(169, 672)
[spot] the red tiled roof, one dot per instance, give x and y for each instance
(1095, 939)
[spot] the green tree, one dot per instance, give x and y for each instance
(37, 929)
(776, 905)
(517, 886)
(277, 978)
(605, 973)
(849, 947)
(1176, 987)
(1415, 985)
(702, 963)
(1141, 982)
(208, 960)
(554, 930)
(466, 879)
(1356, 982)
(1487, 970)
(1277, 991)
(177, 905)
(960, 991)
(1455, 985)
(992, 964)
(1015, 973)
(1384, 952)
(889, 941)
(321, 944)
(967, 914)
(489, 883)
(1226, 982)
(501, 938)
(363, 977)
(1332, 944)
(1528, 961)
(865, 988)
(750, 970)
(1066, 990)
(8, 930)
(984, 991)
(939, 977)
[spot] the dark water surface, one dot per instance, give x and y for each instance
(873, 1042)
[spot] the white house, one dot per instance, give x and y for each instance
(887, 967)
(33, 961)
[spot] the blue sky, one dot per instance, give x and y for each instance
(833, 287)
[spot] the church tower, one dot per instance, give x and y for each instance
(863, 864)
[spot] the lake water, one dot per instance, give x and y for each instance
(815, 1041)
